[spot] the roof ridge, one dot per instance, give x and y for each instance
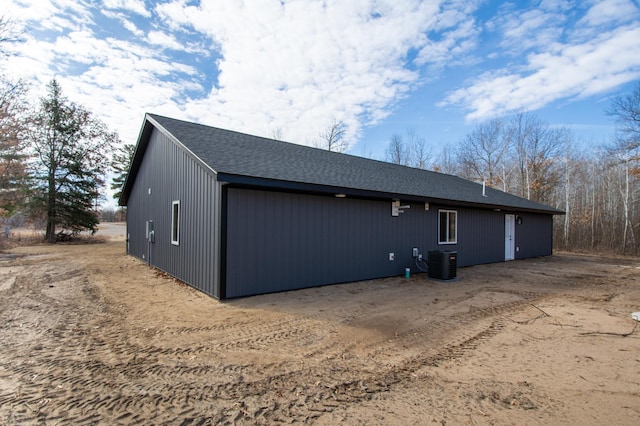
(288, 143)
(230, 152)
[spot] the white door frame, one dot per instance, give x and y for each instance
(509, 236)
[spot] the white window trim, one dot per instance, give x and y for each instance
(455, 241)
(175, 223)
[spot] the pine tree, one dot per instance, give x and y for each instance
(71, 155)
(120, 165)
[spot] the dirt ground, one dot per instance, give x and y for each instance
(91, 336)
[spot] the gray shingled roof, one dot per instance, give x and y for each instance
(238, 154)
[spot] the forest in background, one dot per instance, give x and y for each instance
(597, 186)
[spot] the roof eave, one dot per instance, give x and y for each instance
(281, 185)
(141, 147)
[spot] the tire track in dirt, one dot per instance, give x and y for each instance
(465, 322)
(91, 366)
(348, 386)
(82, 385)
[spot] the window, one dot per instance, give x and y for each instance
(175, 223)
(448, 227)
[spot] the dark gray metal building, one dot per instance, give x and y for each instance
(236, 215)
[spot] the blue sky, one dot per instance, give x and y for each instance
(270, 67)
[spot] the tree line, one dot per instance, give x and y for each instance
(53, 160)
(597, 186)
(54, 157)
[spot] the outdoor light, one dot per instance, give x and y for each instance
(341, 195)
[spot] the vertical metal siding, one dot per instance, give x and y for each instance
(534, 237)
(480, 237)
(280, 241)
(277, 241)
(173, 175)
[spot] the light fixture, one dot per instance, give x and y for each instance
(341, 195)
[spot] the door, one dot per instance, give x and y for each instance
(509, 236)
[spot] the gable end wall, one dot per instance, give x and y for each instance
(172, 174)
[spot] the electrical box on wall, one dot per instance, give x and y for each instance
(396, 208)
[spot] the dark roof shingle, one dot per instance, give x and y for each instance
(234, 153)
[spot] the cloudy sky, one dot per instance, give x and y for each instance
(291, 67)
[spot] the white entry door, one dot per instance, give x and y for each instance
(509, 236)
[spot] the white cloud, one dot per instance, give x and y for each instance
(50, 14)
(608, 11)
(164, 40)
(135, 6)
(294, 66)
(566, 71)
(262, 66)
(126, 23)
(567, 60)
(451, 46)
(117, 79)
(297, 66)
(535, 27)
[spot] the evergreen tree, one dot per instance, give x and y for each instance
(71, 155)
(120, 164)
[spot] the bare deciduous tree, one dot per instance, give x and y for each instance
(626, 111)
(447, 161)
(420, 153)
(397, 152)
(626, 147)
(13, 106)
(482, 152)
(333, 137)
(414, 153)
(537, 150)
(597, 187)
(9, 34)
(277, 134)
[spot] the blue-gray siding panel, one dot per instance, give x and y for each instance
(281, 241)
(172, 174)
(275, 240)
(534, 236)
(480, 236)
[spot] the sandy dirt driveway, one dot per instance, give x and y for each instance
(91, 336)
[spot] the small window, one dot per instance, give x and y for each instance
(175, 223)
(448, 227)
